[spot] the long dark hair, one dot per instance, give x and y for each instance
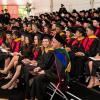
(39, 36)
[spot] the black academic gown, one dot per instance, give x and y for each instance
(42, 62)
(90, 46)
(77, 62)
(54, 73)
(96, 64)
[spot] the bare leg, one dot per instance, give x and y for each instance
(90, 66)
(97, 83)
(9, 76)
(92, 80)
(14, 85)
(6, 62)
(10, 65)
(14, 78)
(15, 63)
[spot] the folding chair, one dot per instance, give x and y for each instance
(98, 73)
(56, 90)
(61, 73)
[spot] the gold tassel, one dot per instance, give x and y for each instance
(68, 69)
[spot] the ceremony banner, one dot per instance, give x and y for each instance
(1, 6)
(12, 7)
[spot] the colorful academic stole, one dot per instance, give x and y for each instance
(74, 42)
(17, 40)
(64, 58)
(88, 42)
(97, 31)
(78, 41)
(15, 45)
(1, 40)
(48, 49)
(68, 41)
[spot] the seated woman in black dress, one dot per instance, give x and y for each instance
(15, 57)
(14, 48)
(93, 65)
(6, 45)
(26, 53)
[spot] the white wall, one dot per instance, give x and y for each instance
(80, 4)
(42, 6)
(96, 3)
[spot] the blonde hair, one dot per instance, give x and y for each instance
(36, 28)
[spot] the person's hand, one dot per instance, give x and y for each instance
(34, 62)
(19, 54)
(37, 69)
(26, 61)
(41, 72)
(15, 54)
(79, 54)
(7, 49)
(68, 49)
(97, 57)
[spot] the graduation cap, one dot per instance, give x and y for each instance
(91, 27)
(58, 24)
(80, 20)
(97, 12)
(64, 20)
(19, 19)
(8, 32)
(97, 19)
(74, 11)
(53, 20)
(15, 28)
(99, 9)
(72, 22)
(86, 20)
(60, 38)
(62, 5)
(39, 35)
(47, 36)
(17, 33)
(81, 30)
(1, 32)
(22, 32)
(30, 36)
(71, 29)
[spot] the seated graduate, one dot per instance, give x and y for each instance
(5, 47)
(16, 60)
(55, 69)
(42, 53)
(96, 24)
(7, 43)
(69, 39)
(36, 51)
(93, 65)
(1, 37)
(75, 48)
(14, 47)
(90, 43)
